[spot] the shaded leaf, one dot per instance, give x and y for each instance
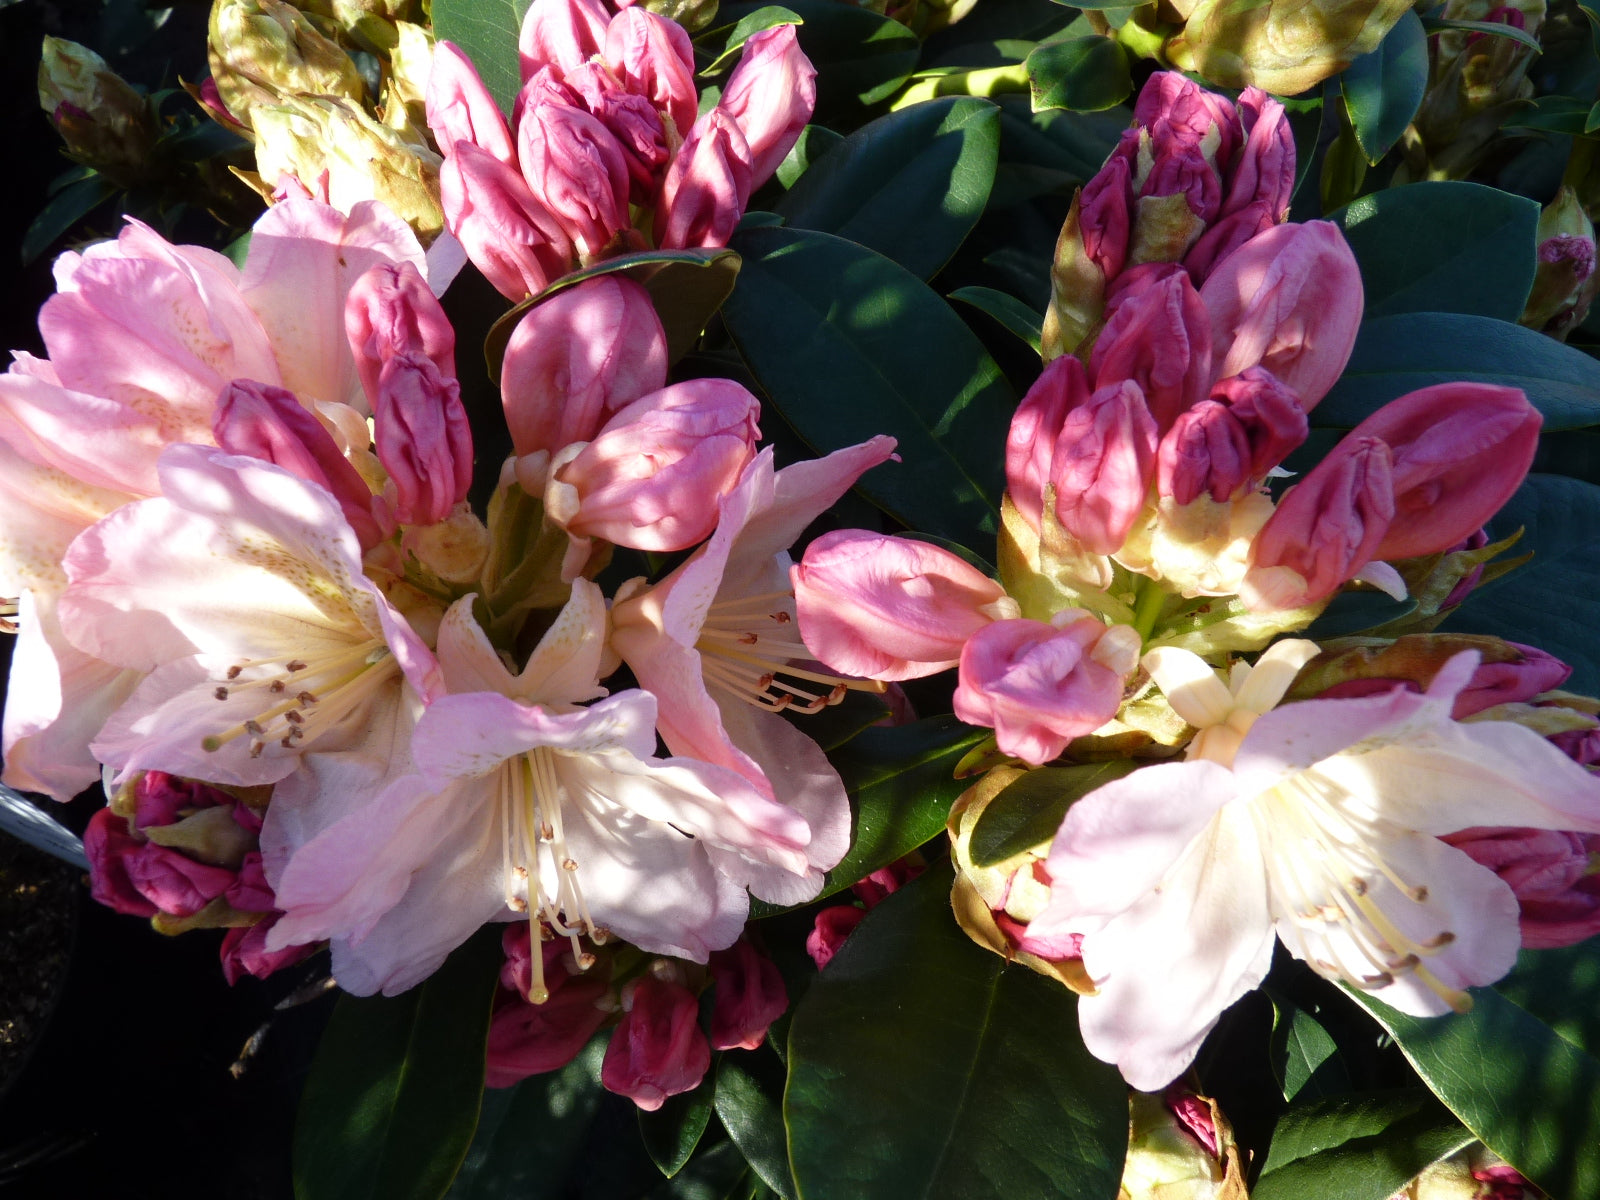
(487, 32)
(65, 209)
(1030, 810)
(672, 1131)
(750, 1107)
(1005, 308)
(1384, 89)
(860, 56)
(1084, 74)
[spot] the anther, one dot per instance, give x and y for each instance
(518, 904)
(221, 693)
(306, 698)
(585, 961)
(546, 833)
(569, 864)
(276, 687)
(1419, 894)
(294, 665)
(1358, 887)
(253, 728)
(234, 672)
(256, 748)
(1382, 979)
(293, 717)
(1438, 940)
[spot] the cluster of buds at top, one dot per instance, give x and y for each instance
(104, 122)
(284, 77)
(608, 154)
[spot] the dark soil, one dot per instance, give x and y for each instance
(38, 911)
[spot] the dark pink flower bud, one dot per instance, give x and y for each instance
(140, 878)
(653, 476)
(1031, 442)
(159, 798)
(1460, 451)
(1582, 746)
(391, 310)
(529, 1039)
(1325, 529)
(1103, 465)
(704, 193)
(244, 952)
(544, 86)
(658, 1049)
(561, 33)
(1494, 683)
(578, 358)
(423, 440)
(771, 96)
(632, 120)
(1158, 336)
(509, 236)
(577, 171)
(832, 927)
(1264, 172)
(1180, 166)
(1274, 423)
(250, 891)
(886, 881)
(268, 423)
(1552, 873)
(750, 996)
(1225, 236)
(109, 845)
(654, 58)
(1105, 221)
(1039, 686)
(1206, 451)
(882, 607)
(460, 108)
(1172, 106)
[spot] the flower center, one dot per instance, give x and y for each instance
(748, 648)
(300, 699)
(1328, 877)
(534, 850)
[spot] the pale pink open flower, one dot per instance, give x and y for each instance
(1314, 822)
(716, 643)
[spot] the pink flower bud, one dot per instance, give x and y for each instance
(658, 1049)
(577, 171)
(1159, 336)
(268, 423)
(1181, 166)
(1552, 874)
(1039, 686)
(886, 881)
(577, 358)
(460, 108)
(1270, 413)
(530, 1039)
(750, 996)
(1206, 451)
(142, 879)
(1533, 673)
(109, 845)
(1264, 172)
(1104, 217)
(561, 33)
(159, 798)
(771, 96)
(244, 952)
(1460, 451)
(652, 478)
(654, 58)
(632, 120)
(882, 607)
(704, 193)
(391, 310)
(509, 236)
(831, 929)
(423, 440)
(1288, 300)
(250, 892)
(1172, 107)
(1031, 442)
(545, 86)
(1225, 236)
(1325, 529)
(1103, 465)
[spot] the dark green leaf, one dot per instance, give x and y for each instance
(848, 344)
(532, 1135)
(1030, 810)
(238, 250)
(923, 1066)
(909, 185)
(1553, 114)
(393, 1097)
(1558, 987)
(1360, 1146)
(1007, 309)
(65, 209)
(1075, 145)
(1530, 1095)
(1355, 612)
(1305, 1057)
(1383, 89)
(861, 57)
(750, 1106)
(815, 141)
(487, 32)
(746, 28)
(672, 1131)
(1443, 247)
(1399, 354)
(1574, 452)
(1554, 601)
(1492, 28)
(1085, 74)
(686, 287)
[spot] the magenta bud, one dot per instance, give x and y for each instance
(391, 310)
(1158, 336)
(1031, 442)
(561, 33)
(421, 434)
(1105, 221)
(632, 120)
(831, 929)
(1225, 236)
(1269, 413)
(1325, 529)
(1104, 463)
(1173, 108)
(460, 108)
(750, 996)
(577, 358)
(509, 236)
(244, 952)
(704, 193)
(1460, 451)
(771, 96)
(249, 891)
(654, 58)
(160, 799)
(1533, 673)
(545, 86)
(141, 878)
(652, 477)
(658, 1049)
(108, 846)
(1264, 172)
(530, 1039)
(268, 423)
(1551, 872)
(1205, 451)
(575, 168)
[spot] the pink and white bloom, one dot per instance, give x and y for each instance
(715, 643)
(1316, 822)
